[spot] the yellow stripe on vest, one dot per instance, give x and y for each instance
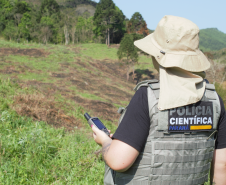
(201, 127)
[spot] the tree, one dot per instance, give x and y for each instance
(106, 18)
(46, 29)
(6, 12)
(25, 25)
(72, 32)
(48, 8)
(84, 29)
(66, 22)
(137, 25)
(119, 28)
(10, 31)
(22, 7)
(127, 52)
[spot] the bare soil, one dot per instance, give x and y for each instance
(41, 108)
(27, 52)
(106, 79)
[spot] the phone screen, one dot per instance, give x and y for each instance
(98, 123)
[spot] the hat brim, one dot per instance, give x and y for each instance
(194, 61)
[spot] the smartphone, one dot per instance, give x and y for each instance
(97, 122)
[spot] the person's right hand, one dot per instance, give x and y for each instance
(99, 136)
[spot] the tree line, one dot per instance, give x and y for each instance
(49, 23)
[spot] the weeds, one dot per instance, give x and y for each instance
(32, 152)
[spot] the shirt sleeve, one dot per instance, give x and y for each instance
(221, 134)
(134, 127)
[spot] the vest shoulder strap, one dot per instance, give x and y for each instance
(210, 86)
(211, 95)
(155, 88)
(145, 83)
(153, 91)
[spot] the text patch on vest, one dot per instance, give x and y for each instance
(191, 118)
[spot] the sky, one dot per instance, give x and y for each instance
(204, 13)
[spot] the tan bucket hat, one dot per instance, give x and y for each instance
(175, 43)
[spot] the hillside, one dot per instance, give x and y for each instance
(50, 87)
(89, 74)
(212, 39)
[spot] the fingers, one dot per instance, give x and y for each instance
(94, 128)
(111, 135)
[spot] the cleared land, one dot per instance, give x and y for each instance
(44, 137)
(89, 75)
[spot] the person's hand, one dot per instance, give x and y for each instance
(100, 137)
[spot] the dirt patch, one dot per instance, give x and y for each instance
(82, 64)
(77, 50)
(45, 88)
(83, 85)
(78, 99)
(60, 75)
(107, 89)
(26, 52)
(105, 110)
(98, 108)
(41, 108)
(110, 69)
(9, 70)
(65, 65)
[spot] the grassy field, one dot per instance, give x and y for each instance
(45, 90)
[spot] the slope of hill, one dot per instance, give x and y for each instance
(211, 39)
(90, 75)
(55, 85)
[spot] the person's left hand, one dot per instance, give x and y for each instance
(100, 137)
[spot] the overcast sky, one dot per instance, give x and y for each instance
(205, 13)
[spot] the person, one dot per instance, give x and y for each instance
(167, 133)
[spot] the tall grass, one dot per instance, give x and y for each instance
(36, 153)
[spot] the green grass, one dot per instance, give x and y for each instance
(145, 62)
(37, 68)
(91, 96)
(99, 51)
(35, 153)
(86, 95)
(32, 152)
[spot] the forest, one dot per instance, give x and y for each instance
(57, 22)
(211, 39)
